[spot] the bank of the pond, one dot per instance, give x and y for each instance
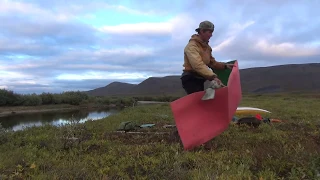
(92, 150)
(9, 110)
(6, 111)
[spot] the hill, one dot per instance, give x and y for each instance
(282, 78)
(272, 79)
(114, 88)
(159, 86)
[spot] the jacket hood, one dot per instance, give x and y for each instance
(196, 37)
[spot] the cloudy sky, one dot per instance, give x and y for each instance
(55, 46)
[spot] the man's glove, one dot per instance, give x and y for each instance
(210, 91)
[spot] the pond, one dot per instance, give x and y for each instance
(56, 118)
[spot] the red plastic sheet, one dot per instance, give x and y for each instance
(199, 121)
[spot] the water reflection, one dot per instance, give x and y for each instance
(19, 121)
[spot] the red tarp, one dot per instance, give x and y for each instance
(199, 121)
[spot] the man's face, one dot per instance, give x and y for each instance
(206, 34)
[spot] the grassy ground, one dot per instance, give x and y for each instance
(289, 150)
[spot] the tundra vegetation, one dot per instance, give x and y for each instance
(92, 150)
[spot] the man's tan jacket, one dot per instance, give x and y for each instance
(197, 57)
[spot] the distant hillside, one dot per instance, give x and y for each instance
(282, 78)
(114, 88)
(159, 86)
(150, 87)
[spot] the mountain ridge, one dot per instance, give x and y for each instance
(271, 79)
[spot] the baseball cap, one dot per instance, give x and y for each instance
(206, 25)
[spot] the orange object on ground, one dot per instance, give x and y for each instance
(199, 121)
(276, 120)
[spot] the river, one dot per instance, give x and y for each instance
(19, 121)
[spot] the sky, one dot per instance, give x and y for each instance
(57, 46)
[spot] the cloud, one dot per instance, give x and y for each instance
(3, 87)
(128, 10)
(29, 10)
(286, 49)
(139, 28)
(232, 33)
(101, 75)
(79, 45)
(172, 27)
(18, 7)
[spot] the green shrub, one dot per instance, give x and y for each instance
(56, 99)
(74, 98)
(7, 98)
(4, 135)
(32, 100)
(47, 98)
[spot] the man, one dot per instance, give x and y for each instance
(198, 60)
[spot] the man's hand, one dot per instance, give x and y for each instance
(218, 81)
(212, 77)
(229, 66)
(215, 78)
